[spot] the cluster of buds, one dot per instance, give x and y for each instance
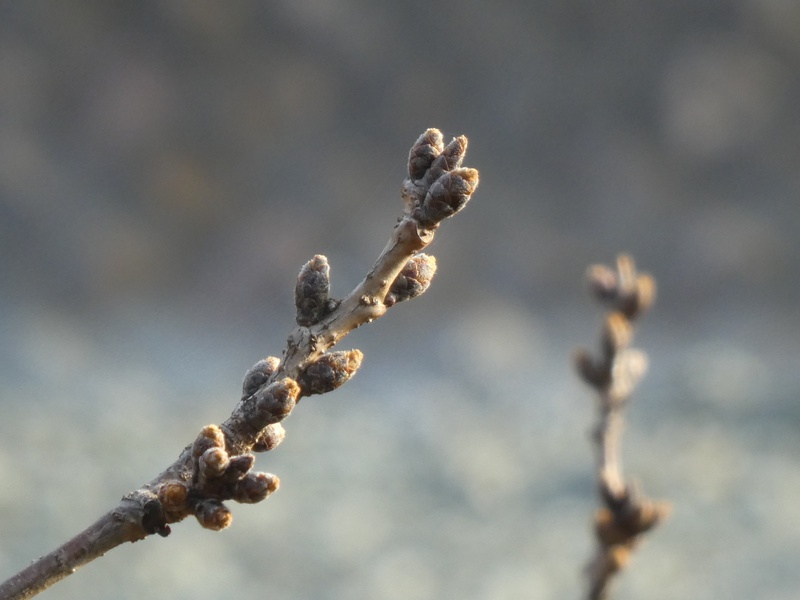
(437, 186)
(217, 477)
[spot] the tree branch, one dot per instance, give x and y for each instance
(217, 465)
(625, 513)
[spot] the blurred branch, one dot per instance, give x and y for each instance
(625, 513)
(217, 466)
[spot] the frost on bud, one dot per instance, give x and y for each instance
(269, 438)
(213, 463)
(259, 374)
(213, 514)
(413, 280)
(447, 195)
(311, 291)
(210, 436)
(424, 152)
(329, 371)
(271, 404)
(255, 487)
(173, 496)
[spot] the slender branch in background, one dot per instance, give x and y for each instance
(624, 513)
(217, 466)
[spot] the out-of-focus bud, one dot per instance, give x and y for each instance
(590, 372)
(329, 372)
(602, 282)
(213, 514)
(424, 152)
(413, 280)
(210, 436)
(269, 438)
(447, 195)
(255, 487)
(617, 333)
(311, 291)
(259, 374)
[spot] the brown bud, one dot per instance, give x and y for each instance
(451, 158)
(617, 333)
(329, 371)
(213, 514)
(271, 436)
(213, 463)
(173, 496)
(311, 291)
(210, 436)
(447, 195)
(413, 280)
(268, 404)
(259, 374)
(423, 152)
(238, 467)
(255, 487)
(591, 373)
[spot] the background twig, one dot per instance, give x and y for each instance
(624, 513)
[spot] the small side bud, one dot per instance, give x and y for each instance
(447, 195)
(173, 496)
(413, 280)
(238, 467)
(213, 463)
(311, 291)
(329, 372)
(255, 487)
(602, 282)
(591, 373)
(259, 374)
(269, 438)
(210, 436)
(272, 403)
(213, 514)
(424, 152)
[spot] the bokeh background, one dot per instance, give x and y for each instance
(167, 166)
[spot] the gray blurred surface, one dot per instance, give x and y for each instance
(167, 167)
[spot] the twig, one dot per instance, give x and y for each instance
(217, 465)
(625, 513)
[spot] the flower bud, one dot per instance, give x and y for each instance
(173, 496)
(447, 195)
(212, 514)
(255, 487)
(311, 291)
(238, 467)
(213, 463)
(210, 436)
(423, 152)
(259, 374)
(329, 371)
(271, 436)
(413, 280)
(269, 404)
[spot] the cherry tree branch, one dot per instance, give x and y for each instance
(217, 466)
(625, 513)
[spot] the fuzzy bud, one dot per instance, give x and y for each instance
(255, 487)
(413, 280)
(259, 374)
(213, 463)
(451, 158)
(238, 467)
(173, 496)
(447, 195)
(602, 282)
(210, 436)
(270, 437)
(213, 514)
(424, 152)
(329, 372)
(269, 404)
(311, 291)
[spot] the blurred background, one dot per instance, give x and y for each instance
(166, 167)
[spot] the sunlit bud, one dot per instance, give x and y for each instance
(259, 374)
(238, 467)
(213, 514)
(210, 436)
(173, 495)
(447, 195)
(269, 438)
(451, 158)
(602, 282)
(329, 371)
(213, 462)
(413, 280)
(311, 291)
(423, 152)
(255, 487)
